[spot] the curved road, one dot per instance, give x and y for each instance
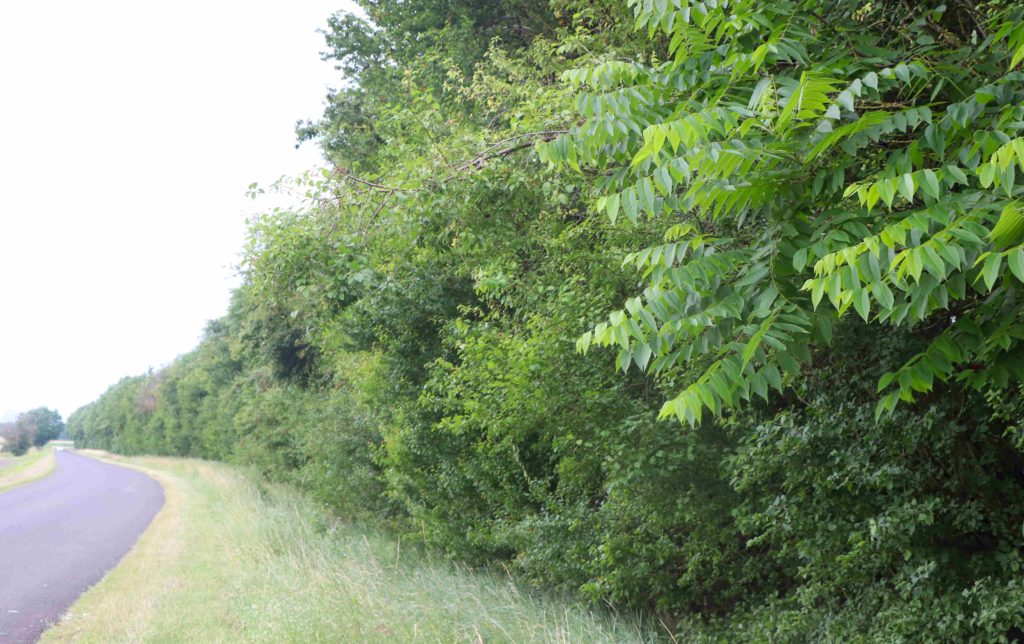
(61, 535)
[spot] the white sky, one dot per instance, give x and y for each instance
(129, 132)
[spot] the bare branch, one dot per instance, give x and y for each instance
(488, 153)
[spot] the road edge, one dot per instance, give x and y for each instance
(64, 629)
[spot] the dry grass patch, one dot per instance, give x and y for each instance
(22, 470)
(229, 560)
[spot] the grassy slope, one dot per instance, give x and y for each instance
(30, 467)
(228, 561)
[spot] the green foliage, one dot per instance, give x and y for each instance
(793, 153)
(33, 428)
(47, 423)
(788, 208)
(436, 42)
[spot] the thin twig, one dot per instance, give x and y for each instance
(486, 154)
(376, 212)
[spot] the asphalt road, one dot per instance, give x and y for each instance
(61, 535)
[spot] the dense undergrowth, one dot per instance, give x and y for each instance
(821, 202)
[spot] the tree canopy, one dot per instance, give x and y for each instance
(866, 153)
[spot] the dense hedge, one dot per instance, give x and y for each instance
(405, 344)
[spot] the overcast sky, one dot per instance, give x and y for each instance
(129, 132)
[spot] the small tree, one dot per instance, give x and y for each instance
(47, 423)
(36, 427)
(17, 437)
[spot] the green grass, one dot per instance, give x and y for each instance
(25, 469)
(228, 561)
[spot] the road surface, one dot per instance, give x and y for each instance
(61, 535)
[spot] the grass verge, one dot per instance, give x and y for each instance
(228, 560)
(28, 468)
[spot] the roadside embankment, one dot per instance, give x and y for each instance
(28, 468)
(229, 559)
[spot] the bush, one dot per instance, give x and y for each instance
(33, 428)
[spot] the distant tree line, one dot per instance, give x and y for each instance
(33, 428)
(711, 310)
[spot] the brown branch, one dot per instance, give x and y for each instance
(376, 186)
(376, 212)
(493, 151)
(488, 153)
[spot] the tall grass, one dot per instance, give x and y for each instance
(229, 560)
